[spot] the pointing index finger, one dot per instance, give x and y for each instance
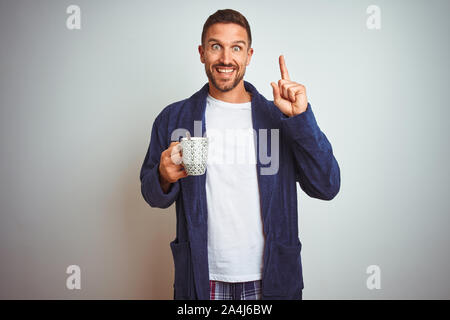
(283, 69)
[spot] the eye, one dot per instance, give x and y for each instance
(237, 48)
(215, 46)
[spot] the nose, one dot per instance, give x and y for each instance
(226, 57)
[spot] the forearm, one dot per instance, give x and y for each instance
(317, 169)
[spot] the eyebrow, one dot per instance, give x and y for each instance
(237, 41)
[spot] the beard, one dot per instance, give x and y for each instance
(225, 86)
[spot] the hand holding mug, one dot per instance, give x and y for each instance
(170, 167)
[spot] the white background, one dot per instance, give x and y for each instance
(76, 114)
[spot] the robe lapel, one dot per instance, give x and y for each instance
(193, 187)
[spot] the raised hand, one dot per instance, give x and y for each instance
(289, 96)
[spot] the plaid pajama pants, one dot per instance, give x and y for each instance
(235, 290)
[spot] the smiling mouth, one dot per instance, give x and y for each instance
(226, 71)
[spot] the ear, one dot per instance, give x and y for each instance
(249, 55)
(202, 54)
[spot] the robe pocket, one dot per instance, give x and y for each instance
(183, 282)
(283, 277)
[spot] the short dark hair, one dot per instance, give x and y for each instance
(227, 16)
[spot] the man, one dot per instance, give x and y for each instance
(237, 226)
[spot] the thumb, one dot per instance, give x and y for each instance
(276, 91)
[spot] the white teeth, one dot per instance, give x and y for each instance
(225, 70)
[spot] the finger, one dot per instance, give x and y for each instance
(176, 148)
(174, 174)
(172, 145)
(282, 86)
(168, 152)
(175, 154)
(291, 93)
(297, 90)
(283, 69)
(276, 91)
(176, 158)
(181, 174)
(286, 89)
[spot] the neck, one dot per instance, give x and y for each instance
(236, 95)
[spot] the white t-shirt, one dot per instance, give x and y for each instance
(235, 229)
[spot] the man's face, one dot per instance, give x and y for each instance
(225, 55)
